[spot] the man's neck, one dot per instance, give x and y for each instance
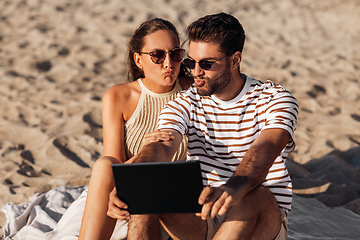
(234, 87)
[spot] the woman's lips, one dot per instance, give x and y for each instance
(169, 73)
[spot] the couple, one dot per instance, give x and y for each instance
(239, 128)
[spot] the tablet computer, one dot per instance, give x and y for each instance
(159, 187)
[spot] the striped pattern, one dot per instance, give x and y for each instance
(145, 118)
(220, 133)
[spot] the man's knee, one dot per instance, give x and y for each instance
(260, 196)
(259, 212)
(256, 202)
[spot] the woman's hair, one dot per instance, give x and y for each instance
(137, 42)
(222, 29)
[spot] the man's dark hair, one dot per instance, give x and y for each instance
(222, 29)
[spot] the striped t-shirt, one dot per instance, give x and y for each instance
(220, 132)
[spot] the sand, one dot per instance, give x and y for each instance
(57, 58)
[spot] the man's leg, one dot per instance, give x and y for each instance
(178, 226)
(257, 216)
(144, 227)
(184, 226)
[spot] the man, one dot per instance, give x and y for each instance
(241, 131)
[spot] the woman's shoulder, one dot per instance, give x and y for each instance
(186, 82)
(123, 92)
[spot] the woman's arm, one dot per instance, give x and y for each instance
(113, 123)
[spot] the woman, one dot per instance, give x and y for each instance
(130, 111)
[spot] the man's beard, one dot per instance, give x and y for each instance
(216, 84)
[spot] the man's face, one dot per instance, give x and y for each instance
(215, 79)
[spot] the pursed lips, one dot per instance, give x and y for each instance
(168, 73)
(199, 82)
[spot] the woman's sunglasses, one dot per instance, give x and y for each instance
(158, 56)
(204, 64)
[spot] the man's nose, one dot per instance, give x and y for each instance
(197, 71)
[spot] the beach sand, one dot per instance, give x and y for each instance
(57, 58)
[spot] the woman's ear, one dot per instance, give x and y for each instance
(137, 60)
(236, 59)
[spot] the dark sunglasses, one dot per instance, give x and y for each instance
(204, 64)
(158, 56)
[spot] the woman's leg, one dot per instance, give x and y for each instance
(95, 223)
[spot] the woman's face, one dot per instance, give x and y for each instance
(160, 77)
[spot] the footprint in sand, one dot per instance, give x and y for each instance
(27, 170)
(28, 156)
(61, 144)
(11, 185)
(94, 119)
(316, 90)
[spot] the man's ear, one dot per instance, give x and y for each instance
(236, 59)
(137, 60)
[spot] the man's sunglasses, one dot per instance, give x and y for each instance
(158, 56)
(204, 64)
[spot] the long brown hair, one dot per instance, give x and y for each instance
(137, 43)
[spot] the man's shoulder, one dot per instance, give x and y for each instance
(265, 87)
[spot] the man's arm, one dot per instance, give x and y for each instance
(161, 151)
(250, 173)
(261, 156)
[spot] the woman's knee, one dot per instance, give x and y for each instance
(105, 161)
(102, 172)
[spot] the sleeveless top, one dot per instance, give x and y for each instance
(145, 119)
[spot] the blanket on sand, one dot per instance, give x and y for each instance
(56, 214)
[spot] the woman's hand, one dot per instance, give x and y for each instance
(156, 136)
(116, 208)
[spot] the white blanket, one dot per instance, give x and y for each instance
(54, 215)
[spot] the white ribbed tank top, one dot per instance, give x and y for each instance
(145, 118)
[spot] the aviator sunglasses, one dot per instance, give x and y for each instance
(204, 64)
(158, 56)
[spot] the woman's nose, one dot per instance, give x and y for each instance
(168, 62)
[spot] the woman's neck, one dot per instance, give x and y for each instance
(158, 88)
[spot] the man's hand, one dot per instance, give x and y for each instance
(156, 136)
(218, 200)
(116, 208)
(158, 146)
(250, 174)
